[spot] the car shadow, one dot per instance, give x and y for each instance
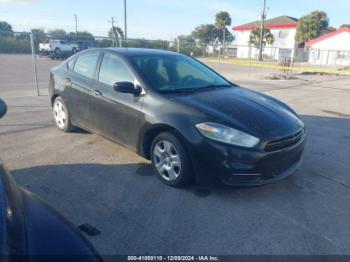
(127, 203)
(325, 134)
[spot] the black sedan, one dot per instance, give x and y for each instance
(191, 122)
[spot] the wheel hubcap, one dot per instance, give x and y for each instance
(167, 160)
(60, 115)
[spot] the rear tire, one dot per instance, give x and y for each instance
(170, 160)
(61, 116)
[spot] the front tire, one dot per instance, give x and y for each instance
(170, 160)
(61, 116)
(57, 51)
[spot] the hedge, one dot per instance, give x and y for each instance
(11, 45)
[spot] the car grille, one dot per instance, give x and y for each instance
(285, 142)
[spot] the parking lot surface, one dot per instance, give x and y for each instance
(94, 181)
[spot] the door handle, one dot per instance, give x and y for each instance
(97, 93)
(68, 80)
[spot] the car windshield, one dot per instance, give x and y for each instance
(176, 73)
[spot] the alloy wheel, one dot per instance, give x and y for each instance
(60, 115)
(167, 160)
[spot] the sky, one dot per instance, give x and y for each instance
(156, 19)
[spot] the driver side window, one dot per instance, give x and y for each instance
(114, 70)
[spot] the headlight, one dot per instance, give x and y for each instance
(227, 135)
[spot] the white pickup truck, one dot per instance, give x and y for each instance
(57, 47)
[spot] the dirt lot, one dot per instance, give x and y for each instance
(92, 180)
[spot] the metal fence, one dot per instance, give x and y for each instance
(19, 42)
(33, 43)
(246, 56)
(282, 60)
(313, 57)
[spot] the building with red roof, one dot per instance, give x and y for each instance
(283, 28)
(330, 49)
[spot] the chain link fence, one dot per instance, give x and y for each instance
(36, 52)
(282, 60)
(43, 52)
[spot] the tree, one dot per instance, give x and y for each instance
(328, 30)
(222, 20)
(188, 39)
(205, 34)
(254, 38)
(228, 36)
(345, 26)
(311, 26)
(39, 36)
(116, 32)
(187, 45)
(58, 34)
(80, 36)
(5, 29)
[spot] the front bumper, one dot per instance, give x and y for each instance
(242, 167)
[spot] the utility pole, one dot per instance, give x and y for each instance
(125, 21)
(113, 33)
(178, 45)
(223, 41)
(76, 24)
(263, 17)
(34, 62)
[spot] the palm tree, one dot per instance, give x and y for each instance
(116, 33)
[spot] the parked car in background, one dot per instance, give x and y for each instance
(58, 48)
(44, 48)
(187, 119)
(29, 226)
(85, 44)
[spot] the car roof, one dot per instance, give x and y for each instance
(139, 51)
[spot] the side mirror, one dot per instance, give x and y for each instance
(3, 108)
(128, 88)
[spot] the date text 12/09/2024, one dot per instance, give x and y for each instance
(173, 258)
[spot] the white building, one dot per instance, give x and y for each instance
(331, 49)
(283, 28)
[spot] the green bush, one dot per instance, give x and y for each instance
(142, 43)
(188, 49)
(11, 45)
(102, 43)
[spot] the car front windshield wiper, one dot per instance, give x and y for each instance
(195, 89)
(213, 86)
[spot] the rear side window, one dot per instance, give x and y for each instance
(86, 64)
(114, 70)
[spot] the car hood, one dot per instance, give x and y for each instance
(249, 111)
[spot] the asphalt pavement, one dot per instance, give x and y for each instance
(94, 181)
